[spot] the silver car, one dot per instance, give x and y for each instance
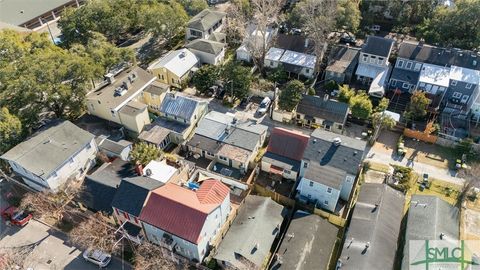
(97, 257)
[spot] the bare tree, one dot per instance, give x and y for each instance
(317, 18)
(252, 21)
(95, 233)
(149, 257)
(14, 258)
(53, 205)
(471, 177)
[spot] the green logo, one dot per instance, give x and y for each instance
(443, 254)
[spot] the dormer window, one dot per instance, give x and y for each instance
(454, 83)
(400, 63)
(409, 65)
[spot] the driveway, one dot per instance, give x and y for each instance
(384, 152)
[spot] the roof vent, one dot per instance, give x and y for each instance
(442, 236)
(314, 141)
(120, 91)
(126, 84)
(337, 141)
(148, 172)
(109, 77)
(355, 153)
(182, 55)
(132, 77)
(325, 97)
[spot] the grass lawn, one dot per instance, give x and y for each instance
(446, 191)
(377, 167)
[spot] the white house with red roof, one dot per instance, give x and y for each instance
(185, 220)
(284, 153)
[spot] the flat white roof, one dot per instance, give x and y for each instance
(369, 71)
(299, 59)
(436, 75)
(160, 171)
(465, 75)
(378, 83)
(274, 54)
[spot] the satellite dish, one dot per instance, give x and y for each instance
(148, 172)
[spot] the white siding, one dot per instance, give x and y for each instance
(318, 192)
(71, 167)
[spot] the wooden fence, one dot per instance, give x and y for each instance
(419, 135)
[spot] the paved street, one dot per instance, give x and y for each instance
(50, 249)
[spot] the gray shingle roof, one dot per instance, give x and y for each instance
(207, 46)
(18, 12)
(47, 150)
(378, 46)
(281, 161)
(405, 75)
(133, 108)
(100, 187)
(204, 143)
(342, 58)
(376, 219)
(315, 106)
(321, 154)
(221, 127)
(439, 56)
(308, 243)
(115, 147)
(206, 19)
(428, 216)
(132, 192)
(295, 43)
(106, 95)
(326, 175)
(154, 134)
(179, 106)
(218, 37)
(258, 222)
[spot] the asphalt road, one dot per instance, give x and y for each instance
(49, 249)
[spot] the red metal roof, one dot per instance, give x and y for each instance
(287, 143)
(181, 211)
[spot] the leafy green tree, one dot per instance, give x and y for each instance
(381, 121)
(45, 78)
(417, 108)
(142, 153)
(455, 26)
(345, 93)
(205, 78)
(278, 75)
(10, 130)
(165, 20)
(291, 95)
(311, 91)
(115, 19)
(237, 80)
(105, 54)
(382, 105)
(361, 106)
(348, 15)
(193, 7)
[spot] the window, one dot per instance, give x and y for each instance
(307, 71)
(136, 220)
(325, 202)
(393, 82)
(405, 85)
(173, 81)
(99, 102)
(409, 65)
(113, 113)
(428, 87)
(422, 84)
(125, 215)
(311, 183)
(417, 67)
(365, 58)
(223, 158)
(116, 211)
(468, 86)
(454, 83)
(412, 86)
(305, 165)
(400, 64)
(464, 99)
(457, 95)
(286, 171)
(89, 146)
(329, 190)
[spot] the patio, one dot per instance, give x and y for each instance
(276, 184)
(227, 171)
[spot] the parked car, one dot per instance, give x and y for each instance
(264, 105)
(347, 38)
(16, 216)
(245, 102)
(97, 257)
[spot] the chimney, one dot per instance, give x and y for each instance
(139, 169)
(306, 42)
